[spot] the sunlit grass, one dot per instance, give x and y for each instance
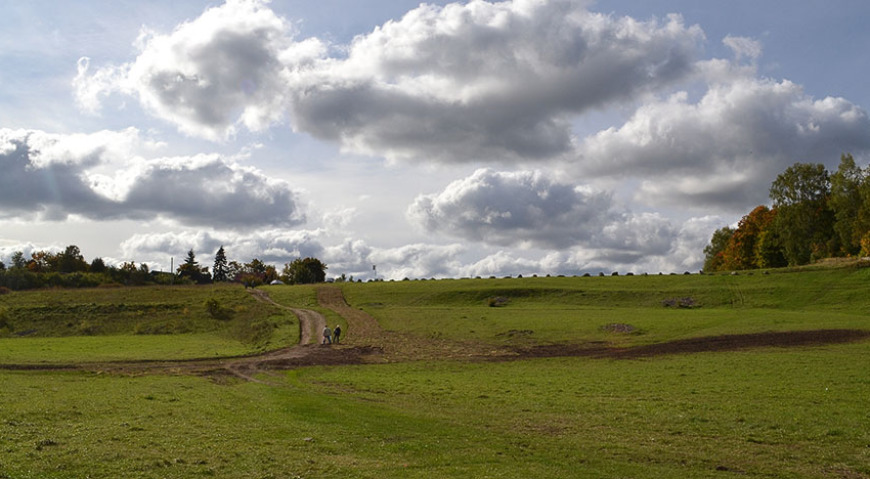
(578, 309)
(767, 413)
(119, 348)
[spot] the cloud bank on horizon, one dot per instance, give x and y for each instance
(497, 89)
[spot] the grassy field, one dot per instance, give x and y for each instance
(147, 323)
(579, 309)
(768, 413)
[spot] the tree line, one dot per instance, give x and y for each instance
(68, 269)
(814, 215)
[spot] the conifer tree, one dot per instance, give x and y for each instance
(221, 268)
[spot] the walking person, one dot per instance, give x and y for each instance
(336, 334)
(327, 335)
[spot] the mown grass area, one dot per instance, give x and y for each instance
(763, 413)
(576, 309)
(767, 413)
(157, 322)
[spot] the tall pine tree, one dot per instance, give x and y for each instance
(221, 268)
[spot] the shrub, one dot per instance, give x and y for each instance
(4, 290)
(217, 311)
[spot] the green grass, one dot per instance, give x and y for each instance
(84, 349)
(576, 309)
(101, 324)
(769, 413)
(764, 413)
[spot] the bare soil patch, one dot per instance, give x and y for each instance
(729, 342)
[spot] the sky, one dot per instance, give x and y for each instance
(395, 139)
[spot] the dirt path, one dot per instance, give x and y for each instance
(363, 327)
(310, 322)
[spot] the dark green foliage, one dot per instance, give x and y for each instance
(192, 270)
(98, 266)
(847, 204)
(18, 260)
(768, 250)
(304, 271)
(805, 222)
(71, 260)
(220, 270)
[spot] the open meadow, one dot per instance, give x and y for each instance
(690, 376)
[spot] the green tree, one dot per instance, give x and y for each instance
(846, 204)
(71, 260)
(98, 266)
(220, 271)
(804, 220)
(304, 271)
(768, 248)
(191, 269)
(255, 267)
(714, 253)
(18, 261)
(130, 274)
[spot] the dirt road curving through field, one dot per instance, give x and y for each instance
(310, 322)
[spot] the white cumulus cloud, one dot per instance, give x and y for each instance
(51, 177)
(725, 149)
(514, 208)
(229, 66)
